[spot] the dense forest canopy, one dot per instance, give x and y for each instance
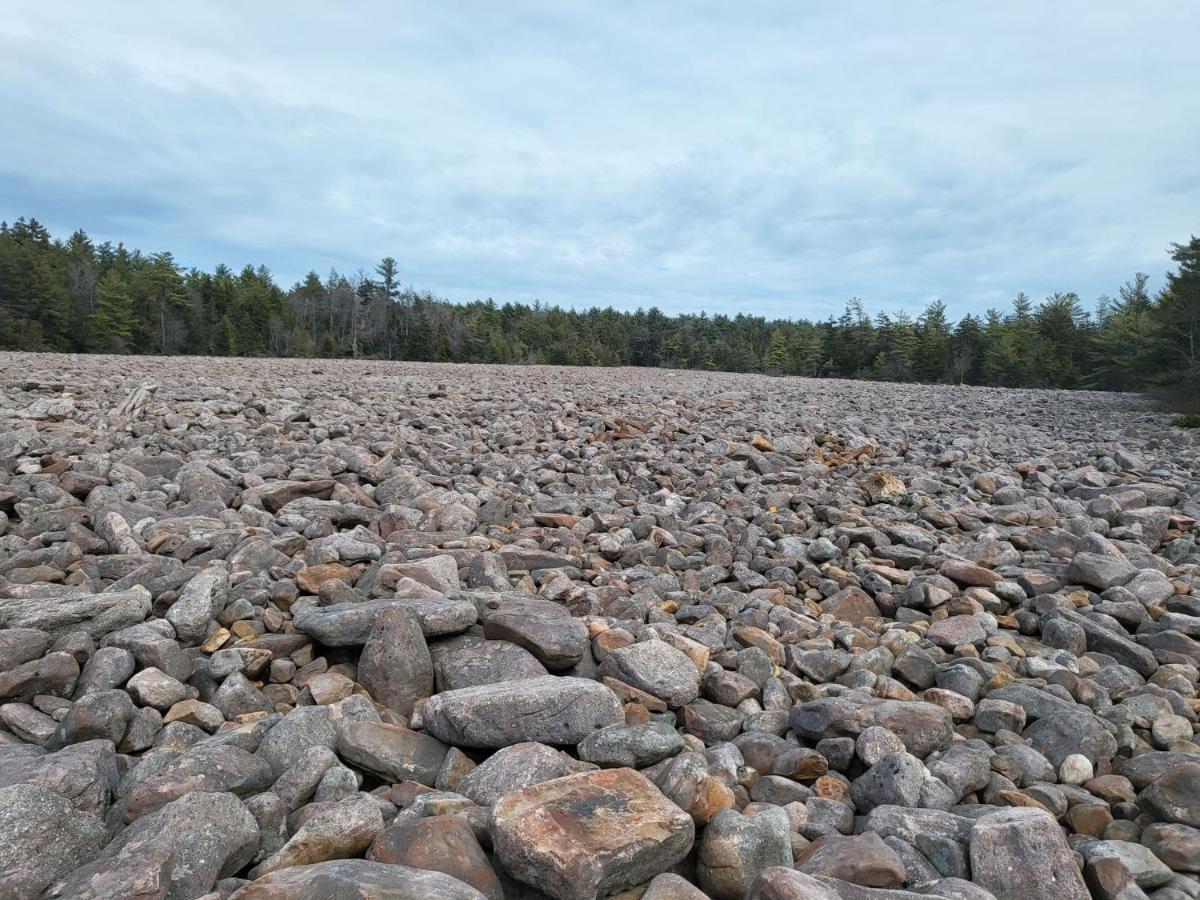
(76, 296)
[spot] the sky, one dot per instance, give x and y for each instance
(767, 158)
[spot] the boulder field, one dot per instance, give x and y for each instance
(315, 629)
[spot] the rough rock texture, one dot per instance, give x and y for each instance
(525, 632)
(591, 834)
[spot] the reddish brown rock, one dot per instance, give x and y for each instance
(590, 835)
(443, 843)
(851, 604)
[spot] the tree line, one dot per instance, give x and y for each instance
(77, 296)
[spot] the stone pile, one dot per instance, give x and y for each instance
(311, 629)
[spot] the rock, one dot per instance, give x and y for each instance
(54, 673)
(954, 631)
(21, 645)
(442, 615)
(212, 769)
(85, 774)
(341, 624)
(549, 709)
(337, 831)
(922, 727)
(896, 780)
(1018, 847)
(488, 662)
(395, 666)
(201, 601)
(883, 487)
(629, 746)
(656, 668)
(392, 752)
(180, 850)
(355, 879)
(589, 835)
(1100, 572)
(736, 849)
(43, 833)
(669, 886)
(864, 860)
(851, 604)
(1175, 795)
(307, 727)
(1146, 868)
(513, 768)
(153, 687)
(443, 843)
(1071, 732)
(97, 614)
(545, 629)
(1178, 846)
(835, 605)
(103, 715)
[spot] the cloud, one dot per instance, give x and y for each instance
(773, 159)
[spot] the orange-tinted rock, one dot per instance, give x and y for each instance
(851, 604)
(310, 578)
(591, 834)
(442, 844)
(969, 573)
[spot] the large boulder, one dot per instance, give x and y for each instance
(548, 710)
(1013, 849)
(395, 666)
(41, 832)
(589, 835)
(97, 614)
(180, 850)
(356, 879)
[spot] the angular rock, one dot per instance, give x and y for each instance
(1014, 848)
(395, 666)
(548, 710)
(589, 835)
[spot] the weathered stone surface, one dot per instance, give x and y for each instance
(395, 666)
(829, 611)
(512, 768)
(549, 710)
(545, 629)
(85, 774)
(201, 601)
(656, 668)
(736, 849)
(97, 614)
(180, 850)
(630, 746)
(922, 727)
(1015, 848)
(443, 843)
(337, 831)
(591, 834)
(391, 751)
(213, 769)
(1175, 795)
(355, 879)
(864, 860)
(42, 832)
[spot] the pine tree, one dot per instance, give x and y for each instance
(112, 324)
(777, 360)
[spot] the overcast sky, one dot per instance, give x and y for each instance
(771, 158)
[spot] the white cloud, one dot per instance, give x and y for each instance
(775, 158)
